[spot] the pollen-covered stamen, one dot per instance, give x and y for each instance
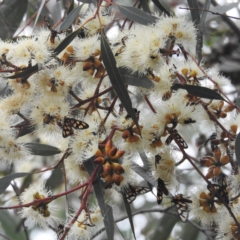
(42, 207)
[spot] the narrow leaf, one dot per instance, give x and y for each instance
(198, 91)
(9, 224)
(70, 18)
(66, 42)
(144, 4)
(129, 214)
(135, 80)
(196, 20)
(137, 15)
(204, 13)
(237, 149)
(143, 173)
(25, 73)
(116, 79)
(11, 15)
(38, 14)
(42, 149)
(5, 181)
(161, 7)
(106, 210)
(55, 179)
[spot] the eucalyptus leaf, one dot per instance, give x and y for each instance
(161, 7)
(56, 178)
(66, 42)
(204, 13)
(237, 149)
(144, 4)
(106, 210)
(25, 73)
(42, 149)
(5, 181)
(9, 224)
(195, 13)
(198, 91)
(143, 173)
(116, 79)
(137, 15)
(11, 15)
(134, 79)
(129, 214)
(70, 18)
(39, 12)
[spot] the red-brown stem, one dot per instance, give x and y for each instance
(47, 199)
(93, 97)
(110, 110)
(84, 202)
(149, 104)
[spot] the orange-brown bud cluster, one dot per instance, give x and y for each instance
(214, 163)
(218, 110)
(112, 169)
(94, 64)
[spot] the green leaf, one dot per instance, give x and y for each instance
(204, 13)
(198, 91)
(11, 15)
(70, 18)
(134, 79)
(5, 181)
(40, 8)
(66, 42)
(143, 173)
(137, 15)
(161, 7)
(25, 73)
(116, 79)
(106, 210)
(196, 21)
(42, 149)
(237, 149)
(129, 213)
(56, 178)
(144, 4)
(9, 223)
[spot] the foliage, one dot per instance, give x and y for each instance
(99, 116)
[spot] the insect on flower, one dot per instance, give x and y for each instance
(121, 49)
(70, 123)
(220, 191)
(54, 33)
(161, 189)
(131, 192)
(181, 204)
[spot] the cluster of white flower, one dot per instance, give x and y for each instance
(69, 92)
